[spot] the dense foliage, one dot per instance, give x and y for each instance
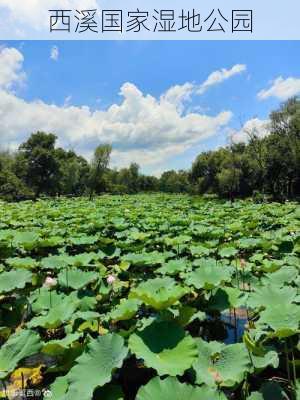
(150, 297)
(268, 165)
(265, 166)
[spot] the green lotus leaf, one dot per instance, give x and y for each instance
(208, 277)
(14, 279)
(221, 365)
(57, 347)
(171, 388)
(165, 347)
(227, 251)
(41, 299)
(159, 293)
(19, 346)
(144, 259)
(83, 259)
(249, 243)
(227, 298)
(85, 299)
(56, 262)
(59, 387)
(85, 315)
(282, 319)
(286, 274)
(28, 239)
(269, 359)
(173, 267)
(75, 278)
(83, 240)
(125, 310)
(94, 367)
(187, 314)
(178, 240)
(53, 241)
(26, 263)
(269, 296)
(138, 236)
(271, 265)
(57, 314)
(200, 250)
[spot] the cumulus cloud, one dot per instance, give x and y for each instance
(179, 94)
(255, 126)
(11, 73)
(140, 127)
(54, 53)
(220, 76)
(281, 88)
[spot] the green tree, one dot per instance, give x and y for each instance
(285, 129)
(174, 182)
(37, 164)
(99, 166)
(74, 173)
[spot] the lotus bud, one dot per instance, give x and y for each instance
(50, 282)
(111, 279)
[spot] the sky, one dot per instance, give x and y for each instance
(158, 103)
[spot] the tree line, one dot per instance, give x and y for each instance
(263, 166)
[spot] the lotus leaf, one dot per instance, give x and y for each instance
(76, 279)
(18, 346)
(94, 367)
(159, 293)
(208, 277)
(221, 365)
(165, 347)
(125, 310)
(14, 279)
(171, 388)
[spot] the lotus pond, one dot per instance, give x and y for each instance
(149, 297)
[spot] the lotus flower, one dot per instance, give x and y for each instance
(111, 279)
(50, 282)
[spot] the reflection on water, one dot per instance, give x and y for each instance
(235, 330)
(228, 327)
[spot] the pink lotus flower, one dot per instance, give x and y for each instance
(50, 282)
(111, 279)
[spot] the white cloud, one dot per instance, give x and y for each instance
(179, 94)
(54, 53)
(281, 88)
(11, 73)
(218, 77)
(255, 126)
(141, 128)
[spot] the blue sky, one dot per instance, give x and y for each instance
(83, 80)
